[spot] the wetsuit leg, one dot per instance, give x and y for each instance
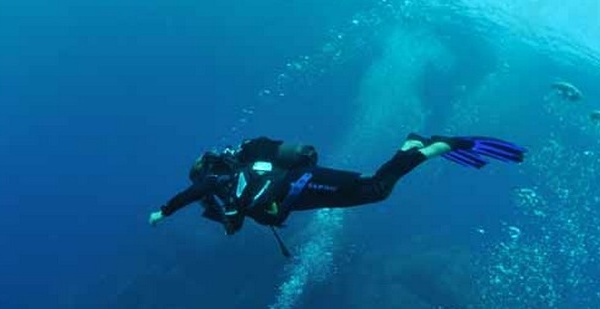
(328, 188)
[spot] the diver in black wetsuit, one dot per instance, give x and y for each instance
(267, 179)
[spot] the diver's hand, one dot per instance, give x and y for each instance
(155, 217)
(233, 222)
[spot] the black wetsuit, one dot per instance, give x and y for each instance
(336, 188)
(310, 188)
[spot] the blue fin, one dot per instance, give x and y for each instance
(497, 149)
(486, 147)
(472, 151)
(472, 160)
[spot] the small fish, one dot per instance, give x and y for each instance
(567, 91)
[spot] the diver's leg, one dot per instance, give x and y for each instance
(329, 188)
(334, 188)
(380, 185)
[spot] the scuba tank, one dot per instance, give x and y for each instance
(255, 172)
(267, 163)
(256, 169)
(261, 149)
(280, 154)
(254, 185)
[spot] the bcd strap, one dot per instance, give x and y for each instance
(295, 190)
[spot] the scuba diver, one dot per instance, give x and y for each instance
(267, 179)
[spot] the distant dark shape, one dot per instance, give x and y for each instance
(567, 91)
(595, 117)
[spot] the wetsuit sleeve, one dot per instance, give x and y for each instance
(193, 193)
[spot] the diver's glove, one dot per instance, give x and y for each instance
(155, 218)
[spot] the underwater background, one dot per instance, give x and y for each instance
(105, 105)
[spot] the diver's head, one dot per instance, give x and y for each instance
(210, 163)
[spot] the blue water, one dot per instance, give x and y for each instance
(105, 106)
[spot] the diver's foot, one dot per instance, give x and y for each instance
(435, 149)
(410, 144)
(468, 150)
(414, 140)
(427, 146)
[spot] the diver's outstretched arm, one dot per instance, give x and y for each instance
(193, 193)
